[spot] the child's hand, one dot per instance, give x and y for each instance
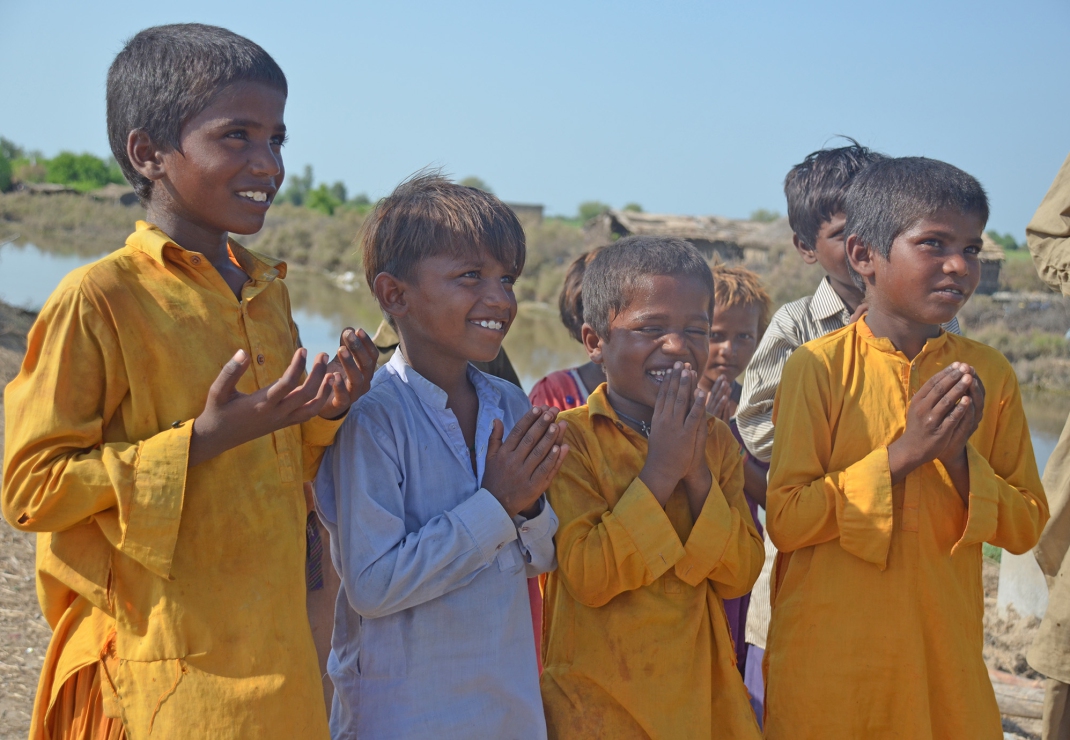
(679, 412)
(519, 469)
(955, 452)
(231, 418)
(698, 480)
(862, 308)
(933, 418)
(719, 403)
(355, 365)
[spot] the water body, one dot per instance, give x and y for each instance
(537, 343)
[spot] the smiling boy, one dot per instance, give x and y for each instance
(162, 469)
(437, 523)
(655, 531)
(900, 448)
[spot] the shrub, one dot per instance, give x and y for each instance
(474, 182)
(5, 173)
(764, 216)
(590, 209)
(81, 171)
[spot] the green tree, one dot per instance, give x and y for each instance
(82, 171)
(361, 199)
(10, 150)
(591, 208)
(474, 182)
(633, 208)
(1005, 240)
(338, 191)
(299, 187)
(322, 199)
(764, 216)
(5, 173)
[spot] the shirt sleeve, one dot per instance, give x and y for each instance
(1007, 506)
(385, 568)
(58, 470)
(724, 545)
(603, 551)
(754, 416)
(808, 504)
(536, 537)
(1048, 233)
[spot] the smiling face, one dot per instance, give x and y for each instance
(458, 308)
(667, 320)
(733, 339)
(932, 269)
(229, 167)
(830, 253)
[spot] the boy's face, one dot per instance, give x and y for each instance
(829, 252)
(932, 269)
(230, 164)
(459, 307)
(666, 321)
(733, 339)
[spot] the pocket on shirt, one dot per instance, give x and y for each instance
(381, 653)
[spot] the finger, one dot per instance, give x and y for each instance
(542, 448)
(953, 397)
(327, 389)
(938, 385)
(661, 402)
(683, 395)
(352, 374)
(290, 379)
(535, 434)
(364, 352)
(310, 389)
(547, 469)
(522, 427)
(497, 430)
(955, 417)
(226, 383)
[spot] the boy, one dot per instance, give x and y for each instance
(435, 522)
(655, 531)
(168, 492)
(900, 448)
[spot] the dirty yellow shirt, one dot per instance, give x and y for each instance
(877, 599)
(199, 573)
(637, 644)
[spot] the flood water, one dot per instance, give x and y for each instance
(537, 343)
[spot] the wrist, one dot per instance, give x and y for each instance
(902, 460)
(660, 483)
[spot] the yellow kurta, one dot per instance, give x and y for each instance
(877, 597)
(199, 573)
(636, 643)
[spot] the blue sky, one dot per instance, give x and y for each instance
(685, 107)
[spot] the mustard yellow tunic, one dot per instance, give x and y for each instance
(199, 573)
(877, 598)
(636, 643)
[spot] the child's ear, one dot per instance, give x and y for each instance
(390, 292)
(809, 256)
(861, 258)
(592, 343)
(144, 155)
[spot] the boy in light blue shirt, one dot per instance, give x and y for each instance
(436, 521)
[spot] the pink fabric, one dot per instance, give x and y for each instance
(557, 389)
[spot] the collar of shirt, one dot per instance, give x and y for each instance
(826, 303)
(149, 239)
(884, 344)
(434, 399)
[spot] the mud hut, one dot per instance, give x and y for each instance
(992, 258)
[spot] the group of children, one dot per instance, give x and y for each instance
(162, 426)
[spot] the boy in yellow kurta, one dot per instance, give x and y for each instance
(163, 470)
(654, 529)
(899, 449)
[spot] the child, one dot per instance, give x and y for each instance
(567, 389)
(899, 450)
(655, 530)
(163, 470)
(740, 316)
(435, 522)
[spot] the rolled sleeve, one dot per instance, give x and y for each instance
(640, 517)
(487, 523)
(316, 435)
(537, 539)
(864, 511)
(709, 538)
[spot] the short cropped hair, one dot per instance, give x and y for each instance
(570, 302)
(426, 216)
(891, 196)
(815, 187)
(612, 277)
(166, 75)
(738, 286)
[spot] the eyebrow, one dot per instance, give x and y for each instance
(248, 123)
(664, 317)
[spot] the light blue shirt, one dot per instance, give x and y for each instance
(432, 628)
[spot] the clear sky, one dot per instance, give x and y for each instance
(683, 107)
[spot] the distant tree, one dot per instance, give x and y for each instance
(634, 208)
(83, 171)
(10, 150)
(764, 216)
(322, 199)
(1006, 241)
(591, 208)
(474, 182)
(338, 191)
(299, 187)
(361, 199)
(5, 173)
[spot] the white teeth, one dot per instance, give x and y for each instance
(496, 325)
(258, 195)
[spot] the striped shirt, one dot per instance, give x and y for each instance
(793, 325)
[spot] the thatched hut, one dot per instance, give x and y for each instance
(992, 258)
(716, 237)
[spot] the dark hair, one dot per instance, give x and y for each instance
(615, 272)
(816, 186)
(165, 75)
(891, 196)
(570, 303)
(427, 215)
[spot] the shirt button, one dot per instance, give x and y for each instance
(499, 547)
(453, 426)
(259, 359)
(523, 529)
(195, 260)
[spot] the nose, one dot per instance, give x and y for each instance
(674, 343)
(956, 264)
(497, 296)
(265, 161)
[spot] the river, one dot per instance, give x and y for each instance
(537, 343)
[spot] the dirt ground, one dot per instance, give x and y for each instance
(24, 634)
